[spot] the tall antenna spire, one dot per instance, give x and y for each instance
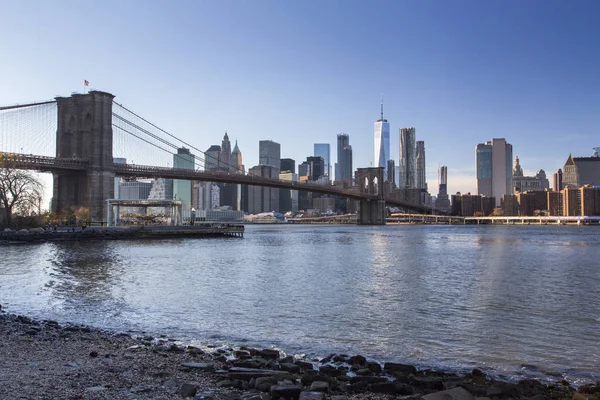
(382, 107)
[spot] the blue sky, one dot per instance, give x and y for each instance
(300, 72)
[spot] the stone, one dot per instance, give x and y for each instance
(271, 354)
(264, 383)
(304, 365)
(400, 368)
(140, 389)
(477, 372)
(287, 392)
(368, 379)
(249, 373)
(188, 390)
(225, 384)
(94, 354)
(319, 386)
(330, 370)
(383, 387)
(427, 382)
(96, 389)
(375, 367)
(363, 372)
(290, 367)
(206, 367)
(339, 397)
(493, 391)
(171, 384)
(584, 396)
(360, 386)
(358, 360)
(312, 396)
(452, 394)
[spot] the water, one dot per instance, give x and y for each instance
(515, 301)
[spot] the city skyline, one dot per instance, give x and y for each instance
(301, 74)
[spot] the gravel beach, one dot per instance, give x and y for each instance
(44, 360)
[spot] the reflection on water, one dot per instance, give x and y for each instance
(513, 300)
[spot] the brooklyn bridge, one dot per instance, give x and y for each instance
(76, 137)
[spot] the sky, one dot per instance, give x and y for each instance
(300, 72)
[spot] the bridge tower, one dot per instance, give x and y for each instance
(85, 132)
(370, 181)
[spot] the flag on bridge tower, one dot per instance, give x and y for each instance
(86, 83)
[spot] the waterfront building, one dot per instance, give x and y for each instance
(443, 202)
(134, 190)
(581, 171)
(323, 150)
(288, 199)
(263, 199)
(211, 158)
(555, 203)
(421, 176)
(162, 189)
(469, 205)
(571, 201)
(590, 200)
(382, 142)
(408, 160)
(182, 189)
(494, 172)
(532, 202)
(118, 179)
(287, 164)
(343, 166)
(391, 172)
(220, 214)
(509, 205)
(324, 204)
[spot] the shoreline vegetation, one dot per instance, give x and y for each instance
(46, 360)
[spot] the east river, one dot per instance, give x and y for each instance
(515, 301)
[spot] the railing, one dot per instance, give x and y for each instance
(42, 163)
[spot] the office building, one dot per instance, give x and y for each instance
(288, 199)
(287, 164)
(555, 203)
(382, 142)
(590, 200)
(443, 202)
(494, 169)
(118, 160)
(269, 153)
(391, 172)
(510, 205)
(162, 189)
(343, 167)
(211, 158)
(316, 168)
(581, 171)
(521, 183)
(532, 203)
(557, 184)
(420, 164)
(263, 199)
(136, 190)
(323, 150)
(408, 159)
(571, 202)
(182, 189)
(236, 159)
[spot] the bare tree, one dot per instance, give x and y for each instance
(20, 192)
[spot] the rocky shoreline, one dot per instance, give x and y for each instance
(44, 360)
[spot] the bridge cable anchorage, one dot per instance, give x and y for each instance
(232, 167)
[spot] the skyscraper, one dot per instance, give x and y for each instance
(420, 162)
(382, 142)
(236, 159)
(407, 179)
(183, 188)
(391, 172)
(443, 202)
(287, 164)
(225, 155)
(343, 167)
(269, 153)
(494, 169)
(323, 150)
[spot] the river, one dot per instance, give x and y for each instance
(515, 301)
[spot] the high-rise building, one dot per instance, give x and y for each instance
(420, 163)
(316, 168)
(118, 160)
(408, 159)
(494, 169)
(391, 172)
(343, 167)
(382, 142)
(443, 202)
(211, 158)
(323, 150)
(288, 199)
(182, 189)
(521, 183)
(580, 171)
(269, 153)
(263, 199)
(287, 164)
(236, 159)
(557, 184)
(225, 155)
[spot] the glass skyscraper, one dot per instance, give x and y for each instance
(382, 142)
(323, 150)
(408, 159)
(494, 169)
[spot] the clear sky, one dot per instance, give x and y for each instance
(300, 72)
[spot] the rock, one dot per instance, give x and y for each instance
(206, 367)
(360, 386)
(358, 360)
(427, 382)
(72, 365)
(493, 391)
(452, 394)
(368, 379)
(242, 354)
(290, 367)
(339, 397)
(375, 367)
(270, 354)
(264, 383)
(249, 373)
(94, 354)
(225, 384)
(400, 368)
(96, 389)
(287, 392)
(383, 387)
(363, 372)
(304, 365)
(175, 349)
(404, 390)
(477, 372)
(312, 396)
(188, 390)
(140, 389)
(590, 388)
(286, 359)
(584, 396)
(330, 370)
(319, 386)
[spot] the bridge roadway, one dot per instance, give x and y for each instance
(53, 164)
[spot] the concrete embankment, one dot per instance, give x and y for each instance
(37, 235)
(42, 359)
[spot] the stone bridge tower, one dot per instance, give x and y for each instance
(370, 181)
(85, 132)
